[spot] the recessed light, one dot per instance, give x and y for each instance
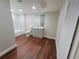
(11, 10)
(33, 7)
(20, 10)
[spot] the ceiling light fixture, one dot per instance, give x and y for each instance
(20, 10)
(33, 7)
(11, 10)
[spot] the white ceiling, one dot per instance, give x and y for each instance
(41, 5)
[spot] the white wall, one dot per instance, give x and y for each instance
(32, 21)
(6, 28)
(68, 28)
(51, 21)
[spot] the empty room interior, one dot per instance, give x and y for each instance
(39, 29)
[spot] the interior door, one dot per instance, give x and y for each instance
(74, 51)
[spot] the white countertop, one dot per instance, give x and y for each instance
(38, 27)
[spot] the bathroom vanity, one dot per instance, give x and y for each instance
(38, 32)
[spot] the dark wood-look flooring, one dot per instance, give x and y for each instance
(33, 48)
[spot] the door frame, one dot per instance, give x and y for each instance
(73, 39)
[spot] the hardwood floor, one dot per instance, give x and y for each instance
(33, 48)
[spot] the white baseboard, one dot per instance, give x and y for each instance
(50, 37)
(19, 33)
(7, 50)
